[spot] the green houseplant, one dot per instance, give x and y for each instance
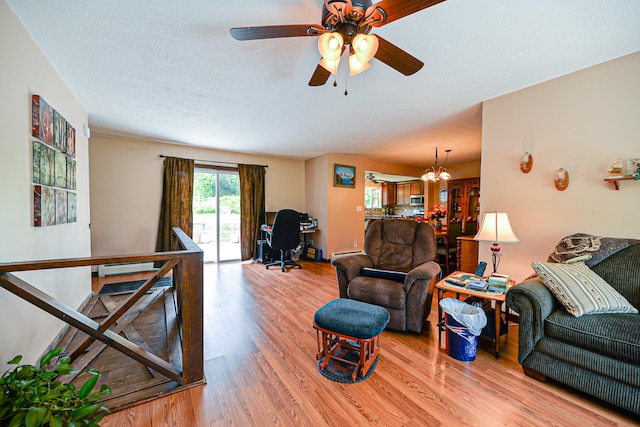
(33, 397)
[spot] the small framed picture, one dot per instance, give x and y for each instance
(344, 176)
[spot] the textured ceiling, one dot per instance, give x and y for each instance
(169, 71)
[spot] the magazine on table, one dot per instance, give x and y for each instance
(475, 283)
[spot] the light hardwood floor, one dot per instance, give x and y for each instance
(261, 369)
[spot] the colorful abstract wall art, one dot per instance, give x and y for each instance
(54, 166)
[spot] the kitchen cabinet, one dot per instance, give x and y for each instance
(404, 193)
(389, 193)
(417, 188)
(399, 193)
(407, 189)
(464, 198)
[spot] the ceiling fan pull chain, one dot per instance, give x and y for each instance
(346, 84)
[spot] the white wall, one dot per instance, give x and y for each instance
(581, 122)
(317, 199)
(25, 329)
(126, 188)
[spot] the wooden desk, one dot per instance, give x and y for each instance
(266, 229)
(499, 299)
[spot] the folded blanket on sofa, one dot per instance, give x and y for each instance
(589, 248)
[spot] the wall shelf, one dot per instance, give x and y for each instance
(616, 181)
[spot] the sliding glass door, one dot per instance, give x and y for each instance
(216, 213)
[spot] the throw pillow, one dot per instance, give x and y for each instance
(580, 290)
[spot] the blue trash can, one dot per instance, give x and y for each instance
(463, 322)
(461, 343)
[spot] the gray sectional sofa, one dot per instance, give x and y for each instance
(598, 354)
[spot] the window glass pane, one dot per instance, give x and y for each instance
(216, 214)
(373, 197)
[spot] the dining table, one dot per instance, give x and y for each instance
(441, 234)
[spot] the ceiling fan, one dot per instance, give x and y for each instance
(372, 178)
(348, 23)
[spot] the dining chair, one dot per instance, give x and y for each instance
(449, 248)
(470, 228)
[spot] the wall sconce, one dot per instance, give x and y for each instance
(526, 162)
(561, 179)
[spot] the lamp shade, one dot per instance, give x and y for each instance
(331, 66)
(444, 174)
(330, 46)
(429, 176)
(496, 227)
(365, 47)
(355, 66)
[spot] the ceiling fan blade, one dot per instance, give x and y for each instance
(396, 9)
(276, 31)
(397, 58)
(320, 76)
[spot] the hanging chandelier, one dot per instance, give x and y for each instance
(437, 172)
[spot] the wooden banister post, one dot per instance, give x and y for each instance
(188, 280)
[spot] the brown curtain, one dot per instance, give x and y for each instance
(251, 207)
(177, 200)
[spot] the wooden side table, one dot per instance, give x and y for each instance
(499, 298)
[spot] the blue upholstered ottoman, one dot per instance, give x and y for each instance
(356, 325)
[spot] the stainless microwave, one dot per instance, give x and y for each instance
(416, 201)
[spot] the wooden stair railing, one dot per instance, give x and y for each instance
(186, 261)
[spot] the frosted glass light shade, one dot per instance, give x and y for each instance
(330, 46)
(496, 227)
(365, 47)
(444, 175)
(355, 66)
(430, 176)
(331, 66)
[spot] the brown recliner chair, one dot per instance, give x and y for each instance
(398, 271)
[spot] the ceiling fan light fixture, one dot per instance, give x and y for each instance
(355, 66)
(330, 66)
(365, 46)
(348, 22)
(330, 46)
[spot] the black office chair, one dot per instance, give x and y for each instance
(285, 236)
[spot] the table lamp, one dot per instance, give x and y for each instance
(496, 228)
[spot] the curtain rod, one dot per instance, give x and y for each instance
(215, 161)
